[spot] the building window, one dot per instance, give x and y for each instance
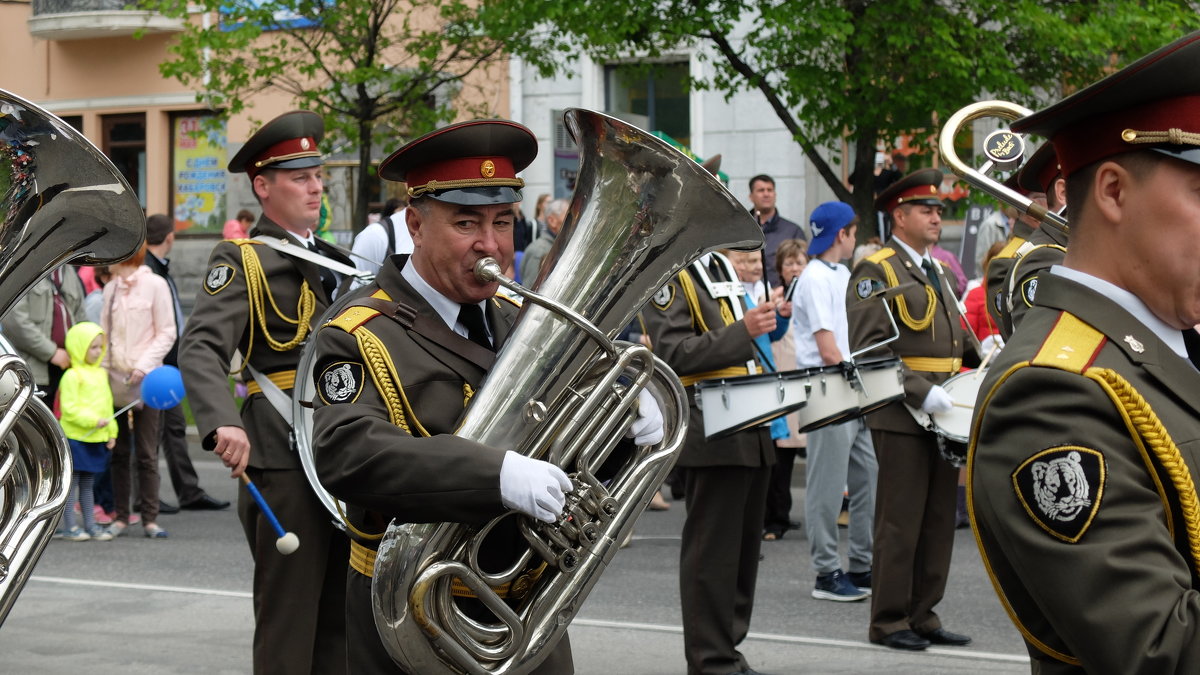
(125, 144)
(652, 91)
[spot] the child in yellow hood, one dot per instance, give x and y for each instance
(87, 410)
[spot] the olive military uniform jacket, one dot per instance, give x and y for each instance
(699, 339)
(1085, 452)
(996, 275)
(404, 367)
(931, 333)
(1046, 247)
(264, 304)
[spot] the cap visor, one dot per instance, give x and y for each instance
(298, 163)
(478, 196)
(1187, 154)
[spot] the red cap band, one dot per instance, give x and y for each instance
(292, 148)
(1094, 139)
(461, 172)
(917, 192)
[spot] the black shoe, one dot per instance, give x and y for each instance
(861, 580)
(904, 639)
(941, 636)
(205, 503)
(167, 508)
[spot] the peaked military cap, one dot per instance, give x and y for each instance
(1040, 172)
(919, 187)
(1151, 104)
(286, 142)
(470, 163)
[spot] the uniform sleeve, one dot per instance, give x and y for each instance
(869, 324)
(1120, 595)
(676, 341)
(365, 460)
(211, 336)
(1023, 277)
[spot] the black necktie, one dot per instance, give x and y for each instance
(716, 269)
(1191, 341)
(328, 280)
(932, 274)
(471, 316)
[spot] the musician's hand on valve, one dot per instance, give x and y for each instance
(937, 401)
(647, 429)
(760, 319)
(533, 487)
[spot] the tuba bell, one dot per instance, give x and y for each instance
(63, 201)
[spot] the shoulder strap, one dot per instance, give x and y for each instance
(880, 255)
(287, 248)
(1071, 345)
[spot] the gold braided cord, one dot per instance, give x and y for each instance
(1173, 136)
(256, 288)
(354, 530)
(435, 185)
(1147, 425)
(468, 392)
(387, 381)
(689, 293)
(902, 305)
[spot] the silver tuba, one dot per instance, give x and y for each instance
(563, 391)
(63, 201)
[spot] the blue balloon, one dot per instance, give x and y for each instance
(162, 388)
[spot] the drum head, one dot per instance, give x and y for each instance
(964, 389)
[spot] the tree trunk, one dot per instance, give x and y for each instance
(365, 179)
(863, 182)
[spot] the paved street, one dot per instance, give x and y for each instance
(182, 605)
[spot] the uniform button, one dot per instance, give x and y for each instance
(956, 343)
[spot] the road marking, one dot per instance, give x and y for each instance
(143, 587)
(798, 640)
(591, 623)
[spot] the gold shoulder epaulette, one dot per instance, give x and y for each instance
(1071, 345)
(353, 317)
(880, 255)
(1010, 249)
(239, 242)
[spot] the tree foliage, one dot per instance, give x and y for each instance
(379, 71)
(863, 70)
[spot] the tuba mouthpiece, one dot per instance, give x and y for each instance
(487, 270)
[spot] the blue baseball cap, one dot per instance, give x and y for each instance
(825, 222)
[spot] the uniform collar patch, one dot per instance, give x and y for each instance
(340, 382)
(1134, 344)
(1060, 488)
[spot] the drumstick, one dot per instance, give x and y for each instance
(287, 543)
(963, 405)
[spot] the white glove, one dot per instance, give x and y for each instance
(647, 429)
(937, 401)
(533, 487)
(990, 342)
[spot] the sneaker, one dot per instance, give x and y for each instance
(76, 534)
(835, 586)
(117, 528)
(155, 531)
(134, 519)
(861, 580)
(100, 534)
(101, 516)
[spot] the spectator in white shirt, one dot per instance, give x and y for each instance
(380, 240)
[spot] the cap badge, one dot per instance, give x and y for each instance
(303, 143)
(1134, 344)
(487, 169)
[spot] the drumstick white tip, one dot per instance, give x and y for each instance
(287, 544)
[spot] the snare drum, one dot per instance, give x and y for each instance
(964, 389)
(832, 397)
(882, 382)
(732, 404)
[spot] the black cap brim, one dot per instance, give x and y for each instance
(478, 196)
(298, 163)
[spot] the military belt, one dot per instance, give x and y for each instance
(931, 364)
(284, 379)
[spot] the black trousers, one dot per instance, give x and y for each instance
(718, 564)
(299, 599)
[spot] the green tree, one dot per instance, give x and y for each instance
(379, 71)
(860, 69)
